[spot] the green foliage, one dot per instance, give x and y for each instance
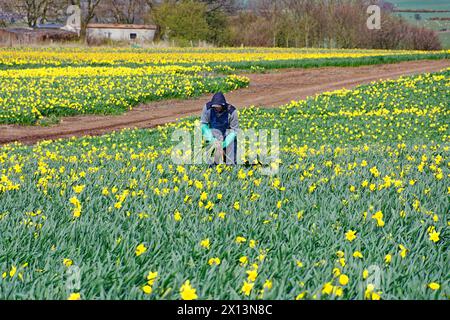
(219, 29)
(185, 20)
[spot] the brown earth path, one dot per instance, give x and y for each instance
(267, 90)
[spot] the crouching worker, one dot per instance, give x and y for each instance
(219, 125)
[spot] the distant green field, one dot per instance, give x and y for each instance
(445, 38)
(423, 18)
(429, 4)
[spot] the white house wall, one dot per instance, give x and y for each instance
(121, 34)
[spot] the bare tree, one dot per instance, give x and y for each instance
(124, 11)
(225, 5)
(212, 5)
(33, 11)
(305, 22)
(88, 9)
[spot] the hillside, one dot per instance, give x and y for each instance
(424, 18)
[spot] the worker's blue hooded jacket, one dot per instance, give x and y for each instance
(219, 121)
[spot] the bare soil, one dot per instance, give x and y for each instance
(266, 90)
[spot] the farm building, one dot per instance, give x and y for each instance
(120, 32)
(25, 36)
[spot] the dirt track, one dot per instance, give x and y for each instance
(267, 90)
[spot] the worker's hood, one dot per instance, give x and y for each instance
(219, 99)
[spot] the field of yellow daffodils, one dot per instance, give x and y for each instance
(359, 208)
(27, 95)
(236, 57)
(37, 83)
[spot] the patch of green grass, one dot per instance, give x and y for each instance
(48, 121)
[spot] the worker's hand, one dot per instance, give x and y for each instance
(218, 155)
(217, 144)
(229, 140)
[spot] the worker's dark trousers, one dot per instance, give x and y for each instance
(220, 125)
(230, 153)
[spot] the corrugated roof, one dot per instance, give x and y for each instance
(120, 26)
(17, 30)
(49, 26)
(35, 31)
